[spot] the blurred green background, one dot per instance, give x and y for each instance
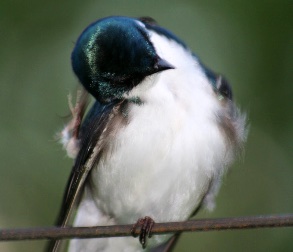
(251, 42)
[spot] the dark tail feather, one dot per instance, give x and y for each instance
(53, 246)
(167, 246)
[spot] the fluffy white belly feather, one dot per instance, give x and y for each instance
(162, 162)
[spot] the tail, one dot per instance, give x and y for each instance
(167, 246)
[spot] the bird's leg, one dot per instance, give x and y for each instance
(146, 224)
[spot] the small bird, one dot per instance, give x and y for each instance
(161, 133)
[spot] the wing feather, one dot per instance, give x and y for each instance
(93, 134)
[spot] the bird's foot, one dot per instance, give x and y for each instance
(146, 224)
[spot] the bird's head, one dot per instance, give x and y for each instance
(113, 55)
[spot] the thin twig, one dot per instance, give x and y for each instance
(268, 221)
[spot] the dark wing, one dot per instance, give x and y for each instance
(92, 135)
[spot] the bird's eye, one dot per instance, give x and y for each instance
(223, 87)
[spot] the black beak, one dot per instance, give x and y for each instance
(162, 65)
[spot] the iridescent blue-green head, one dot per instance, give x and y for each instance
(113, 55)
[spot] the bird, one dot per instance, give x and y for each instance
(161, 133)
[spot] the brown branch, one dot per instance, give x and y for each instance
(159, 228)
